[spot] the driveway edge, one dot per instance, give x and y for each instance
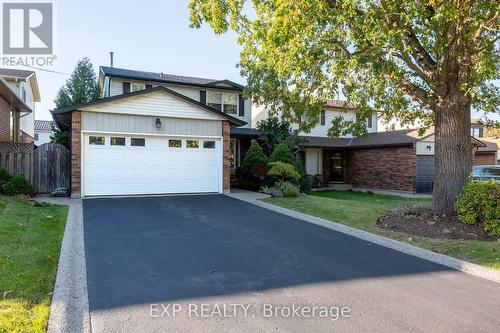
(458, 264)
(69, 311)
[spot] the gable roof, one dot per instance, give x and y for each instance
(170, 78)
(71, 108)
(43, 125)
(21, 74)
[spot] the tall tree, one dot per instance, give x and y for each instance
(426, 59)
(81, 87)
(274, 131)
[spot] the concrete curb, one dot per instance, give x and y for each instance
(460, 265)
(69, 311)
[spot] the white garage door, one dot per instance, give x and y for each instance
(121, 165)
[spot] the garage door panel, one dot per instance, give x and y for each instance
(152, 169)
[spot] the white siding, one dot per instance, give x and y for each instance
(43, 137)
(158, 104)
(191, 92)
(108, 122)
(426, 146)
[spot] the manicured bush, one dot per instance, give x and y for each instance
(479, 204)
(282, 189)
(282, 171)
(305, 181)
(281, 153)
(254, 157)
(19, 185)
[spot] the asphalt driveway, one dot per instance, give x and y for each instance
(214, 263)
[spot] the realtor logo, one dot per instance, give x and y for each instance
(28, 28)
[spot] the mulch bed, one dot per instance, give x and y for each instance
(421, 221)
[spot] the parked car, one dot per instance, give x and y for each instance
(486, 172)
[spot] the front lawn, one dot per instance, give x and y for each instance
(361, 210)
(30, 241)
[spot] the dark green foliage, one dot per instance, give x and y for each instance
(19, 185)
(282, 171)
(4, 176)
(479, 204)
(305, 180)
(81, 87)
(254, 157)
(274, 131)
(58, 136)
(281, 153)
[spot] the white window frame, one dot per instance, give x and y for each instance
(222, 101)
(237, 158)
(136, 86)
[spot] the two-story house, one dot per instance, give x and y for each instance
(18, 93)
(154, 133)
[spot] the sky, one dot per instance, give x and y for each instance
(144, 35)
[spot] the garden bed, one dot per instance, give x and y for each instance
(421, 221)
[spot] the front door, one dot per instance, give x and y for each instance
(337, 166)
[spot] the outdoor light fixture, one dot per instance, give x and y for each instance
(158, 123)
(429, 147)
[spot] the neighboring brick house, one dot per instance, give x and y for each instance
(18, 94)
(489, 154)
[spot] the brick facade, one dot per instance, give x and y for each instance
(226, 164)
(76, 147)
(26, 138)
(486, 158)
(4, 120)
(392, 168)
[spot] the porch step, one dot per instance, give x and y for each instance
(340, 186)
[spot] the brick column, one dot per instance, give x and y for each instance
(226, 164)
(76, 153)
(4, 120)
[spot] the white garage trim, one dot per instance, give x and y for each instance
(218, 170)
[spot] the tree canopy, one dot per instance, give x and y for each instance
(392, 55)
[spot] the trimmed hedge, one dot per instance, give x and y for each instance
(254, 157)
(282, 171)
(479, 204)
(281, 153)
(18, 185)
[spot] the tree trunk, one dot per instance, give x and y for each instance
(453, 149)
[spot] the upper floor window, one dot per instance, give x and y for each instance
(322, 118)
(225, 102)
(24, 94)
(476, 132)
(369, 120)
(134, 86)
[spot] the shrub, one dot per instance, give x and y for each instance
(305, 181)
(281, 153)
(479, 204)
(254, 157)
(282, 171)
(4, 178)
(19, 185)
(282, 189)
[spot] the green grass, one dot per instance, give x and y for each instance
(361, 210)
(30, 241)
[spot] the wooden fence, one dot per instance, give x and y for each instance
(46, 167)
(17, 159)
(51, 167)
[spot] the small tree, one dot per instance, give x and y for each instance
(81, 87)
(274, 131)
(282, 153)
(254, 157)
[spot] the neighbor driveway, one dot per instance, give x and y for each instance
(196, 254)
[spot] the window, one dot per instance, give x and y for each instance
(36, 136)
(173, 143)
(476, 132)
(117, 141)
(235, 154)
(322, 117)
(134, 86)
(24, 95)
(192, 144)
(369, 122)
(209, 144)
(137, 142)
(96, 140)
(227, 103)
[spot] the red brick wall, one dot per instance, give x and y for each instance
(485, 158)
(4, 120)
(226, 164)
(391, 168)
(26, 138)
(76, 147)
